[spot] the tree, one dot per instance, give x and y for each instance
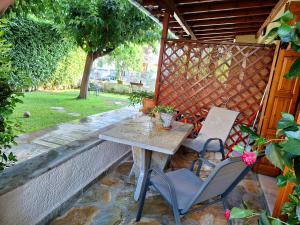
(127, 58)
(100, 26)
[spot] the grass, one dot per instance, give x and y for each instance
(42, 116)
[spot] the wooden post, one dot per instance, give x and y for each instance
(164, 36)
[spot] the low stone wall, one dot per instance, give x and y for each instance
(43, 192)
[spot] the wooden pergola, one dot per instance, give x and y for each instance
(214, 20)
(204, 66)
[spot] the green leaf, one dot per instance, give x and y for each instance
(238, 148)
(288, 208)
(281, 181)
(247, 130)
(238, 213)
(291, 145)
(274, 155)
(298, 25)
(286, 17)
(293, 199)
(297, 168)
(263, 219)
(294, 70)
(284, 32)
(288, 159)
(286, 121)
(273, 33)
(293, 134)
(276, 222)
(260, 141)
(297, 190)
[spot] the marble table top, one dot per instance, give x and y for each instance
(141, 132)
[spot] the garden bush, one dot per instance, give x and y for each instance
(115, 88)
(68, 72)
(8, 100)
(37, 49)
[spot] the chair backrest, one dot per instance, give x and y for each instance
(218, 123)
(224, 177)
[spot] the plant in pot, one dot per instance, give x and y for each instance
(164, 115)
(283, 151)
(144, 98)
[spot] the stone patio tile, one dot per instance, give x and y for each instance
(119, 208)
(77, 216)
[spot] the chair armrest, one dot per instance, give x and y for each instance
(167, 181)
(206, 145)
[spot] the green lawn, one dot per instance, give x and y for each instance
(42, 116)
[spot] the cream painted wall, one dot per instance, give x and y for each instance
(245, 39)
(32, 202)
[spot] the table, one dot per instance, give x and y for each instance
(150, 146)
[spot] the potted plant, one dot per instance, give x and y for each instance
(165, 115)
(144, 98)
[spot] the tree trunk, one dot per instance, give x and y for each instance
(86, 76)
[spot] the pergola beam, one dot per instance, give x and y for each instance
(209, 17)
(186, 2)
(201, 7)
(221, 28)
(210, 22)
(214, 37)
(236, 32)
(230, 14)
(170, 5)
(217, 38)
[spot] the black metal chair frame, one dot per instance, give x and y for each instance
(177, 213)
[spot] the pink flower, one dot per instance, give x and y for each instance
(227, 214)
(249, 158)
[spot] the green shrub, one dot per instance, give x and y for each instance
(68, 72)
(8, 100)
(115, 88)
(37, 49)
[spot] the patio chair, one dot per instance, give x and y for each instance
(182, 189)
(214, 132)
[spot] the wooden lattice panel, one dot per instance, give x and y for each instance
(194, 76)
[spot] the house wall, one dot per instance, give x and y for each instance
(40, 197)
(246, 39)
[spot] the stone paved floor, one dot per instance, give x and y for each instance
(33, 144)
(110, 201)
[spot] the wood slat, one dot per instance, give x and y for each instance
(221, 28)
(202, 7)
(217, 26)
(217, 22)
(230, 14)
(223, 32)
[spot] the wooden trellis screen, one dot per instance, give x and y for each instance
(194, 76)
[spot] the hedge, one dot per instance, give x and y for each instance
(37, 50)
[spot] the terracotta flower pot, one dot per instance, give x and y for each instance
(148, 105)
